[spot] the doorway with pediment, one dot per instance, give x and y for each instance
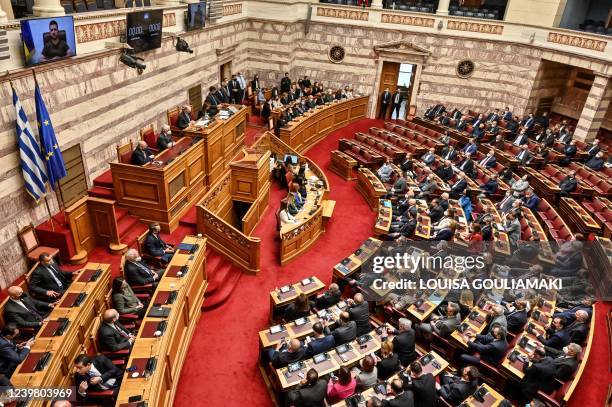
(399, 66)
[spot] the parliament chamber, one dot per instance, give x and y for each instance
(305, 203)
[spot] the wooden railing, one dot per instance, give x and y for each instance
(255, 213)
(240, 249)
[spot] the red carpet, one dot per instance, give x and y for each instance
(223, 354)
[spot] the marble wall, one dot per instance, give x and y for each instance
(99, 103)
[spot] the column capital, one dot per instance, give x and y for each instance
(376, 4)
(443, 7)
(48, 8)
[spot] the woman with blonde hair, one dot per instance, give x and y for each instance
(388, 363)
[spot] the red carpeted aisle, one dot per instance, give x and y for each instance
(221, 367)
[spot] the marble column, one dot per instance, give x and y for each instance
(443, 7)
(48, 8)
(167, 2)
(377, 4)
(595, 108)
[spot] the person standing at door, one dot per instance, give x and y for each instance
(397, 103)
(384, 103)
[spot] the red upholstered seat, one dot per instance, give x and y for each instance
(355, 149)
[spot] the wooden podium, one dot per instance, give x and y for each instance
(164, 191)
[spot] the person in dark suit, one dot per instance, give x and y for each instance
(345, 331)
(397, 103)
(404, 342)
(164, 140)
(224, 94)
(517, 318)
(467, 164)
(329, 297)
(470, 148)
(388, 364)
(359, 312)
(569, 151)
(489, 161)
(255, 86)
(112, 335)
(493, 130)
(539, 375)
(578, 330)
(459, 185)
(429, 157)
(568, 184)
(423, 386)
(565, 137)
(320, 341)
(184, 118)
(24, 311)
(401, 398)
(235, 90)
(528, 122)
(592, 149)
(94, 375)
(455, 389)
(490, 187)
(565, 360)
(449, 153)
(596, 162)
(48, 282)
(479, 132)
(462, 124)
(285, 83)
(124, 299)
(446, 233)
(310, 393)
(141, 154)
(136, 273)
(155, 246)
(524, 155)
(12, 354)
(213, 101)
(556, 336)
(445, 172)
(385, 99)
(491, 347)
(531, 200)
(284, 355)
(298, 309)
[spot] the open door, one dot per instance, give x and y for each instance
(388, 79)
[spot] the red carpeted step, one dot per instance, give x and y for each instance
(229, 282)
(102, 192)
(126, 224)
(120, 213)
(130, 237)
(104, 180)
(189, 219)
(217, 276)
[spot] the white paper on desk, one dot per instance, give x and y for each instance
(500, 227)
(314, 178)
(202, 123)
(461, 219)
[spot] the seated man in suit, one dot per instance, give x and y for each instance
(445, 172)
(592, 149)
(285, 354)
(155, 246)
(459, 186)
(137, 273)
(48, 282)
(471, 147)
(385, 171)
(429, 157)
(479, 132)
(517, 318)
(490, 187)
(12, 354)
(531, 200)
(491, 347)
(329, 297)
(24, 311)
(462, 124)
(596, 162)
(565, 360)
(428, 187)
(310, 393)
(467, 164)
(455, 389)
(444, 325)
(112, 335)
(568, 184)
(539, 375)
(449, 153)
(164, 140)
(320, 341)
(489, 161)
(569, 151)
(579, 329)
(422, 385)
(184, 118)
(359, 312)
(141, 154)
(94, 375)
(556, 336)
(524, 155)
(400, 397)
(346, 330)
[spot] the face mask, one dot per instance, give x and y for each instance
(138, 258)
(169, 132)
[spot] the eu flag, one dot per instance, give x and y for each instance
(50, 148)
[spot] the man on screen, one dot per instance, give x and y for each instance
(55, 47)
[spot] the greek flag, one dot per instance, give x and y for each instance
(32, 164)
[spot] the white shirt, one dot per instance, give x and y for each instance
(286, 217)
(51, 270)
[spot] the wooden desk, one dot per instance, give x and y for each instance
(370, 187)
(490, 399)
(384, 217)
(297, 238)
(342, 164)
(475, 324)
(287, 294)
(306, 130)
(578, 216)
(170, 349)
(423, 310)
(64, 348)
(165, 193)
(351, 264)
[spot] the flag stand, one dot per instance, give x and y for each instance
(49, 212)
